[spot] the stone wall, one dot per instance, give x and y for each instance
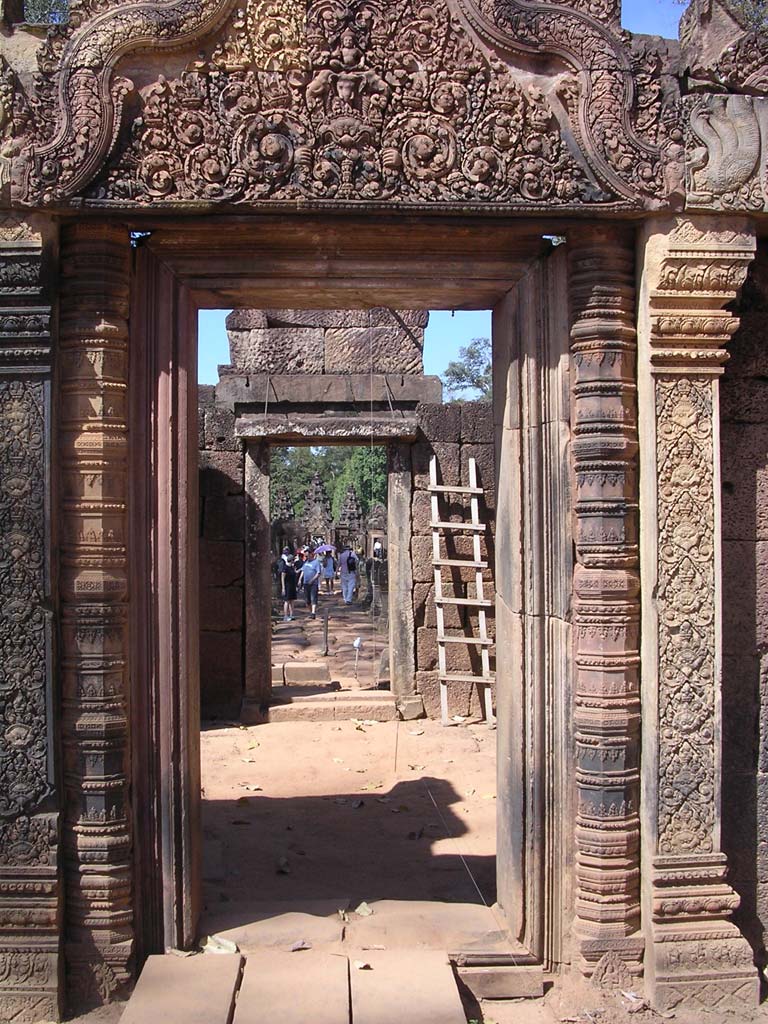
(744, 428)
(222, 553)
(455, 433)
(327, 341)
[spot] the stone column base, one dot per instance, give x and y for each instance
(697, 959)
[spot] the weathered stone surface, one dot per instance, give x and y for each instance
(221, 563)
(477, 422)
(448, 463)
(745, 597)
(221, 608)
(221, 673)
(421, 557)
(221, 473)
(379, 316)
(247, 320)
(278, 350)
(484, 457)
(745, 481)
(185, 990)
(402, 985)
(223, 518)
(272, 991)
(220, 430)
(745, 403)
(379, 349)
(305, 673)
(462, 697)
(341, 389)
(440, 422)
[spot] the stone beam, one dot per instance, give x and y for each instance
(294, 389)
(299, 428)
(692, 269)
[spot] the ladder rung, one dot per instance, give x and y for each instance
(462, 677)
(445, 489)
(460, 561)
(482, 602)
(465, 640)
(457, 526)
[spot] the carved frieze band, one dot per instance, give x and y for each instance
(698, 957)
(606, 599)
(356, 100)
(94, 594)
(29, 888)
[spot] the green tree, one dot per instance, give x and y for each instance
(471, 371)
(366, 468)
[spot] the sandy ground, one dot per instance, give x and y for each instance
(353, 811)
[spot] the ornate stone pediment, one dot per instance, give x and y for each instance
(451, 102)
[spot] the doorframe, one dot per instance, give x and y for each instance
(531, 859)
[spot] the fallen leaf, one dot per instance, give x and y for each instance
(182, 952)
(458, 718)
(371, 785)
(362, 965)
(358, 803)
(375, 946)
(248, 760)
(301, 944)
(415, 732)
(416, 767)
(218, 944)
(363, 910)
(416, 835)
(338, 760)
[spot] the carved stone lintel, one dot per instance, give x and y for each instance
(30, 895)
(696, 957)
(93, 587)
(606, 600)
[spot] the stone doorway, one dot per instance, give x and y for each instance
(167, 290)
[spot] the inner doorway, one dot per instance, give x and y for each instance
(335, 800)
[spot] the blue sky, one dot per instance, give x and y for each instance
(446, 333)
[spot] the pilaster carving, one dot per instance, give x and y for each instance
(94, 594)
(606, 599)
(696, 956)
(29, 844)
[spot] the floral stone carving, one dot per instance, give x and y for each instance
(344, 100)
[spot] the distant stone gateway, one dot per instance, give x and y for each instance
(295, 159)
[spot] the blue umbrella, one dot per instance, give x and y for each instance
(324, 548)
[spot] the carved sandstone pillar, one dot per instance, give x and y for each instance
(606, 600)
(94, 594)
(691, 270)
(30, 889)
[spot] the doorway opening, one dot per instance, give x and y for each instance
(332, 789)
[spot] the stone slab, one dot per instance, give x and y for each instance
(503, 982)
(277, 675)
(429, 925)
(185, 990)
(327, 389)
(278, 350)
(297, 672)
(378, 316)
(294, 988)
(380, 349)
(405, 985)
(306, 427)
(279, 924)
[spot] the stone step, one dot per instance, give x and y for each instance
(305, 987)
(403, 985)
(298, 673)
(297, 694)
(321, 710)
(185, 990)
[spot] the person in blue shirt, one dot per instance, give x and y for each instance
(310, 574)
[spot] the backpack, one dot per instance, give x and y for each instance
(351, 563)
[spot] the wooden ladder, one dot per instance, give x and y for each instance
(476, 528)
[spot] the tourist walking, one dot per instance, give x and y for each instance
(329, 572)
(348, 571)
(310, 573)
(287, 584)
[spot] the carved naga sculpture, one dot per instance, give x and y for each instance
(723, 167)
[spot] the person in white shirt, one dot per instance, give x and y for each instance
(348, 569)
